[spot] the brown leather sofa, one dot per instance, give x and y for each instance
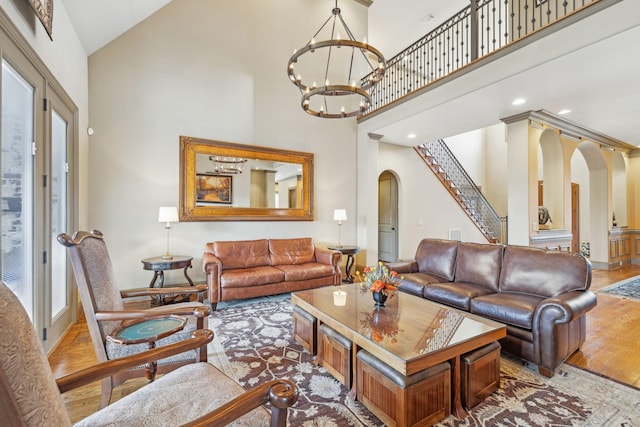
(542, 296)
(252, 268)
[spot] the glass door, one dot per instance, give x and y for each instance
(17, 163)
(36, 140)
(59, 300)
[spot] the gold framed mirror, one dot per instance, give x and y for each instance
(224, 181)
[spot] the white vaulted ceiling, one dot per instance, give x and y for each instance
(597, 81)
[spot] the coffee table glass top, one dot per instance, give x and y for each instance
(408, 327)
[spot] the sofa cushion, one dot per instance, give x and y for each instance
(307, 271)
(253, 276)
(291, 251)
(437, 257)
(414, 283)
(507, 307)
(455, 294)
(536, 271)
(241, 253)
(480, 264)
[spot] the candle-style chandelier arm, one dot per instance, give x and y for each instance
(346, 89)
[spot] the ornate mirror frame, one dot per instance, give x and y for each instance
(190, 147)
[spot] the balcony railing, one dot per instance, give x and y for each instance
(479, 29)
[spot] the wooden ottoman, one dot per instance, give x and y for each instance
(423, 398)
(305, 328)
(480, 373)
(334, 352)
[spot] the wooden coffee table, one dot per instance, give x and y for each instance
(416, 334)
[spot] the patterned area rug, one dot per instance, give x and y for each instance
(254, 343)
(629, 288)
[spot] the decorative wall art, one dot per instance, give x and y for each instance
(44, 12)
(213, 189)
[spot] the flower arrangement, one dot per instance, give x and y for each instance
(379, 279)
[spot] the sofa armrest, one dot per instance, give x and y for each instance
(212, 267)
(565, 307)
(552, 322)
(327, 256)
(402, 267)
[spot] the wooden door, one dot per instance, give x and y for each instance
(575, 217)
(387, 217)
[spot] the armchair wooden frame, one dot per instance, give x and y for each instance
(29, 394)
(279, 393)
(104, 309)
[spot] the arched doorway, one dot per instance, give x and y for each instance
(387, 217)
(593, 196)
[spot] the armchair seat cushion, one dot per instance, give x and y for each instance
(455, 294)
(172, 401)
(507, 307)
(312, 270)
(253, 276)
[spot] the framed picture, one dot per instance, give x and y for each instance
(44, 12)
(213, 188)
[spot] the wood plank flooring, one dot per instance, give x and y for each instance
(611, 348)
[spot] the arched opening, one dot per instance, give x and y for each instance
(619, 191)
(593, 196)
(551, 194)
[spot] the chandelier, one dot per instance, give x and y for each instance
(228, 165)
(343, 97)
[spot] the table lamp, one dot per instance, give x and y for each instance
(339, 215)
(168, 214)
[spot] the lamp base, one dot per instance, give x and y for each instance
(167, 256)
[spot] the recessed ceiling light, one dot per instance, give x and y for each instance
(411, 136)
(518, 101)
(565, 111)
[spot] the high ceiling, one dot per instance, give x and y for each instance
(597, 81)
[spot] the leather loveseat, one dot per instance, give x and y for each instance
(542, 296)
(252, 268)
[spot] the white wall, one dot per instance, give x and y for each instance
(65, 58)
(217, 70)
(470, 150)
(425, 207)
(483, 155)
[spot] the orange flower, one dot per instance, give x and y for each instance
(379, 279)
(377, 286)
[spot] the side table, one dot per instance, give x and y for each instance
(147, 331)
(158, 265)
(349, 251)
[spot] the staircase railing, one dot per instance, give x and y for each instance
(444, 164)
(476, 31)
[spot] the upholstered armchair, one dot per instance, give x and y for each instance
(197, 394)
(103, 306)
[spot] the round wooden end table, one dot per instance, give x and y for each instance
(159, 264)
(349, 251)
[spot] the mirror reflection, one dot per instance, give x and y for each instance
(226, 181)
(251, 183)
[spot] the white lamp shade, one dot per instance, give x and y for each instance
(168, 214)
(339, 214)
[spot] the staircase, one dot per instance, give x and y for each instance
(462, 188)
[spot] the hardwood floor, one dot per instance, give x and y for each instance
(613, 333)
